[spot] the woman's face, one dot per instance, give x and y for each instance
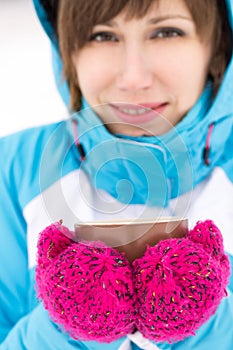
(143, 75)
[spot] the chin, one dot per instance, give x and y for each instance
(134, 133)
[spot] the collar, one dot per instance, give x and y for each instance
(149, 170)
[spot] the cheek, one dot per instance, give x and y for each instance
(186, 75)
(94, 74)
(88, 80)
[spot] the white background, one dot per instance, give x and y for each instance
(28, 95)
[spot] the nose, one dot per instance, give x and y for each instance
(135, 73)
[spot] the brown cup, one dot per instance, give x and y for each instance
(132, 236)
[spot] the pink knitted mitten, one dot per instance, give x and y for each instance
(86, 287)
(91, 290)
(180, 282)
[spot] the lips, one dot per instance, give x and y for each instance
(138, 114)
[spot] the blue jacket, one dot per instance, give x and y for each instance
(43, 168)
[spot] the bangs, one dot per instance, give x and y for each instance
(79, 17)
(205, 15)
(107, 9)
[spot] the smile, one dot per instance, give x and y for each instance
(138, 114)
(138, 111)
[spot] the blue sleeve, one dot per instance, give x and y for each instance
(18, 305)
(216, 334)
(36, 332)
(14, 274)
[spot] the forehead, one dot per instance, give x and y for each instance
(160, 9)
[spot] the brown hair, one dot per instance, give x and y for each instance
(76, 19)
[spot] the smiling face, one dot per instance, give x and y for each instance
(142, 76)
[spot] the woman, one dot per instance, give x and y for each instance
(156, 141)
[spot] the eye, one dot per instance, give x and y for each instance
(103, 36)
(166, 33)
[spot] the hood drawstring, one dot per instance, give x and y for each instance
(206, 152)
(76, 140)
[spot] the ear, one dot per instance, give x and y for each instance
(208, 234)
(52, 241)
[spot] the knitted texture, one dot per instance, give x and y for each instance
(179, 283)
(91, 290)
(87, 288)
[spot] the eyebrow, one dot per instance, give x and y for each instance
(154, 20)
(167, 17)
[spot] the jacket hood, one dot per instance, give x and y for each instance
(177, 158)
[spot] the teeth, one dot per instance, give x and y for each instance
(134, 111)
